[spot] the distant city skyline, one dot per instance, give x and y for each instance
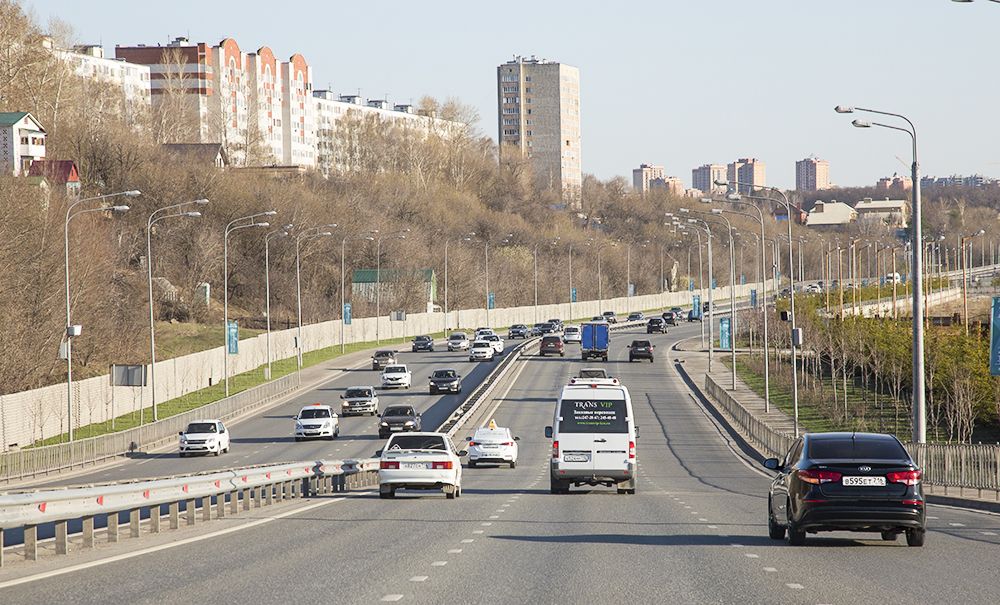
(769, 112)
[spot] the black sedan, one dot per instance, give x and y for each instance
(863, 482)
(398, 418)
(445, 381)
(656, 324)
(423, 343)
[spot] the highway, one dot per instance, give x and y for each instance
(695, 531)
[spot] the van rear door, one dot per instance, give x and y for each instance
(593, 431)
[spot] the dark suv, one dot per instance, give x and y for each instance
(863, 482)
(423, 343)
(656, 324)
(670, 318)
(398, 418)
(381, 359)
(552, 344)
(640, 349)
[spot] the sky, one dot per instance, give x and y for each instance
(672, 83)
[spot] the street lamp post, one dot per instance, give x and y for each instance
(283, 232)
(732, 290)
(312, 232)
(965, 277)
(343, 286)
(711, 304)
(155, 217)
(69, 332)
(231, 227)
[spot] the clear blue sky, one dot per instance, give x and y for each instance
(670, 82)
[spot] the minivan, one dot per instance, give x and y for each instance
(593, 438)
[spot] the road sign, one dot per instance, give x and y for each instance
(572, 295)
(347, 314)
(690, 285)
(995, 337)
(753, 298)
(631, 289)
(715, 283)
(724, 334)
(743, 279)
(397, 316)
(696, 305)
(491, 301)
(233, 338)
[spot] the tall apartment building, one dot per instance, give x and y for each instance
(812, 174)
(88, 62)
(645, 173)
(672, 184)
(703, 178)
(538, 104)
(247, 101)
(749, 171)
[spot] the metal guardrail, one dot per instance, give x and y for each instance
(950, 465)
(31, 462)
(228, 492)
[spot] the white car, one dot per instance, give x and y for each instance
(316, 421)
(396, 376)
(571, 334)
(204, 437)
(493, 444)
(458, 341)
(494, 340)
(481, 332)
(482, 350)
(424, 461)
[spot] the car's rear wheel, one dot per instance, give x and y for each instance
(890, 536)
(774, 531)
(796, 536)
(915, 537)
(472, 464)
(452, 494)
(558, 487)
(513, 464)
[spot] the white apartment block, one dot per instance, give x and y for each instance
(88, 62)
(645, 173)
(703, 178)
(538, 118)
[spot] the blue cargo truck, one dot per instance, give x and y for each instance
(595, 339)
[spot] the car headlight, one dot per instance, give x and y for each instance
(326, 424)
(210, 442)
(298, 425)
(409, 423)
(384, 424)
(184, 439)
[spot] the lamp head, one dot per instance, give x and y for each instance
(120, 208)
(324, 233)
(861, 124)
(721, 183)
(844, 109)
(685, 210)
(265, 224)
(269, 213)
(132, 193)
(706, 200)
(200, 202)
(192, 214)
(734, 197)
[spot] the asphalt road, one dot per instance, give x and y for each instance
(694, 533)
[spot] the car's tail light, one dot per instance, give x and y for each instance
(507, 443)
(906, 477)
(388, 464)
(441, 465)
(816, 476)
(555, 449)
(913, 502)
(472, 443)
(631, 450)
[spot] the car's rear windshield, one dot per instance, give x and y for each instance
(593, 374)
(572, 329)
(444, 374)
(315, 413)
(550, 339)
(383, 353)
(398, 411)
(598, 415)
(656, 320)
(358, 393)
(201, 427)
(490, 435)
(640, 343)
(856, 449)
(417, 442)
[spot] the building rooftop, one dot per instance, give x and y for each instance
(55, 171)
(10, 118)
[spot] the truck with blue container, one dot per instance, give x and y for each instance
(595, 340)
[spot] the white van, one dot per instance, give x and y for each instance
(593, 438)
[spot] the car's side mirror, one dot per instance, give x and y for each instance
(548, 432)
(378, 453)
(463, 453)
(468, 438)
(343, 396)
(181, 433)
(517, 438)
(222, 431)
(772, 463)
(295, 417)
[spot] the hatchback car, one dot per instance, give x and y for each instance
(383, 359)
(398, 418)
(493, 444)
(656, 324)
(423, 343)
(572, 334)
(636, 316)
(421, 461)
(518, 331)
(863, 482)
(640, 349)
(670, 318)
(204, 437)
(552, 345)
(445, 381)
(316, 421)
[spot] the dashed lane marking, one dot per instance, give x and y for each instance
(770, 569)
(439, 563)
(751, 555)
(479, 531)
(988, 533)
(713, 527)
(419, 578)
(468, 541)
(794, 586)
(957, 524)
(486, 524)
(454, 551)
(389, 598)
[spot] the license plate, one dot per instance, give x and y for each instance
(576, 458)
(414, 465)
(488, 446)
(395, 428)
(864, 481)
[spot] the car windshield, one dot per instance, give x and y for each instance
(550, 339)
(598, 415)
(481, 344)
(548, 326)
(314, 413)
(383, 353)
(458, 337)
(422, 338)
(518, 327)
(353, 393)
(201, 427)
(444, 374)
(399, 411)
(640, 343)
(856, 449)
(417, 442)
(395, 370)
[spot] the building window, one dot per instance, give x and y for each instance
(527, 78)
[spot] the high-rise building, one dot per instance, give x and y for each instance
(750, 172)
(703, 178)
(88, 62)
(672, 184)
(645, 173)
(812, 174)
(538, 117)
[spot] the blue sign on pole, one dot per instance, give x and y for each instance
(715, 283)
(691, 285)
(753, 298)
(724, 340)
(347, 314)
(696, 305)
(572, 294)
(491, 301)
(881, 281)
(743, 279)
(233, 338)
(995, 337)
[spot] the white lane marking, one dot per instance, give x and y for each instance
(389, 598)
(751, 555)
(770, 569)
(494, 516)
(687, 507)
(487, 524)
(703, 519)
(931, 517)
(152, 549)
(736, 545)
(988, 533)
(468, 541)
(478, 531)
(694, 512)
(419, 578)
(454, 551)
(500, 510)
(794, 586)
(957, 524)
(713, 527)
(439, 563)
